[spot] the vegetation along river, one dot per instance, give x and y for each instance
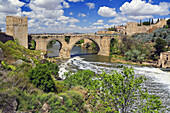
(158, 81)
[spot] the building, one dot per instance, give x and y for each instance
(17, 27)
(120, 29)
(164, 60)
(133, 27)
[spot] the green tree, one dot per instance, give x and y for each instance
(83, 78)
(41, 76)
(160, 45)
(135, 56)
(112, 29)
(115, 92)
(146, 23)
(152, 21)
(114, 48)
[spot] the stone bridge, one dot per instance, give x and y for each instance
(102, 41)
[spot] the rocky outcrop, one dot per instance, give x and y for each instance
(8, 104)
(1, 55)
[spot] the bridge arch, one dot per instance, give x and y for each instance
(57, 49)
(74, 40)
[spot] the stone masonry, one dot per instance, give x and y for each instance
(132, 27)
(18, 28)
(164, 60)
(103, 43)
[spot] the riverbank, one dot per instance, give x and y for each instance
(120, 59)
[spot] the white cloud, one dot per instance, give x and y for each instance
(71, 13)
(48, 4)
(63, 18)
(106, 11)
(150, 1)
(66, 4)
(75, 0)
(139, 17)
(73, 20)
(139, 8)
(118, 20)
(9, 7)
(90, 5)
(81, 15)
(99, 22)
(84, 20)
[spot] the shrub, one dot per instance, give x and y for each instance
(40, 76)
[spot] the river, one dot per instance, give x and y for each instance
(158, 81)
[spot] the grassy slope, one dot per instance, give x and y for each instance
(15, 84)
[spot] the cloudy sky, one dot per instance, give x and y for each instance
(56, 16)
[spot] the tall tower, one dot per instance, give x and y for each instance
(18, 28)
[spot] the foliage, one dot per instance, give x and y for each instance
(146, 23)
(114, 46)
(71, 101)
(8, 66)
(13, 52)
(87, 45)
(67, 39)
(94, 47)
(116, 92)
(80, 41)
(83, 78)
(160, 45)
(41, 76)
(112, 29)
(32, 45)
(135, 56)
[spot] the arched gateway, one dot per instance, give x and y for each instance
(102, 41)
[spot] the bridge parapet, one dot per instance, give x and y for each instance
(102, 41)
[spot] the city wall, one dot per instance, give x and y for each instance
(132, 27)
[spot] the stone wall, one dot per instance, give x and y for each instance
(18, 28)
(4, 38)
(164, 60)
(105, 32)
(132, 27)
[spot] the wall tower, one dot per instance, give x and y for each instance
(18, 28)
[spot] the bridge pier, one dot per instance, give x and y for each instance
(41, 44)
(64, 53)
(103, 43)
(104, 46)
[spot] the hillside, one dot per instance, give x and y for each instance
(18, 93)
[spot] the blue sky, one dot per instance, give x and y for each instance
(56, 16)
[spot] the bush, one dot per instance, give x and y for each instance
(160, 45)
(41, 76)
(135, 56)
(83, 78)
(115, 92)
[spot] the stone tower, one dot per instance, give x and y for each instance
(18, 28)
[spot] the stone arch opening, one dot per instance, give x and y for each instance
(31, 43)
(86, 47)
(113, 46)
(53, 48)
